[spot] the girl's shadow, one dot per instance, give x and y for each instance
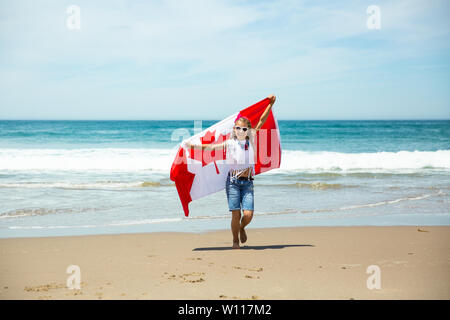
(275, 246)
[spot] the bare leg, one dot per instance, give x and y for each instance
(235, 226)
(248, 215)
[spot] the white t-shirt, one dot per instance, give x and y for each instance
(239, 158)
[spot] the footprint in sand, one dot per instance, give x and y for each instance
(248, 269)
(44, 287)
(251, 277)
(193, 277)
(253, 297)
(350, 266)
(222, 296)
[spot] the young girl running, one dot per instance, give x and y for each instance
(241, 150)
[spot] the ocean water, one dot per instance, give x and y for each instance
(97, 177)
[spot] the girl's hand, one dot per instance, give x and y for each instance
(272, 98)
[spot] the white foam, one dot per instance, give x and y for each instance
(79, 185)
(120, 223)
(381, 203)
(160, 160)
(144, 221)
(368, 162)
(108, 159)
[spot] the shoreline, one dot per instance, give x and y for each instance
(144, 232)
(276, 263)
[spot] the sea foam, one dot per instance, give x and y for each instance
(160, 160)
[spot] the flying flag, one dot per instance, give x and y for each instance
(197, 173)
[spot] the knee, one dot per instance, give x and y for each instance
(248, 214)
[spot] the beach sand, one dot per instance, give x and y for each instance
(279, 263)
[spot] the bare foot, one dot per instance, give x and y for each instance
(243, 235)
(236, 245)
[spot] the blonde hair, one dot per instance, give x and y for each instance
(246, 121)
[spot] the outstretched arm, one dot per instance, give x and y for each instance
(264, 116)
(205, 146)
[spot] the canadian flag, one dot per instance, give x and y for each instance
(197, 173)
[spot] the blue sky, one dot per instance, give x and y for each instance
(189, 59)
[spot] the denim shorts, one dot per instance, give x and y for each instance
(239, 192)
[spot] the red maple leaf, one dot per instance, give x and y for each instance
(208, 156)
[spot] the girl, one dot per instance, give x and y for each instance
(239, 185)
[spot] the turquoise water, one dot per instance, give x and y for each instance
(91, 177)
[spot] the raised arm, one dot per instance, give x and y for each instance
(264, 116)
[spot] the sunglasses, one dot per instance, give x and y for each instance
(243, 129)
